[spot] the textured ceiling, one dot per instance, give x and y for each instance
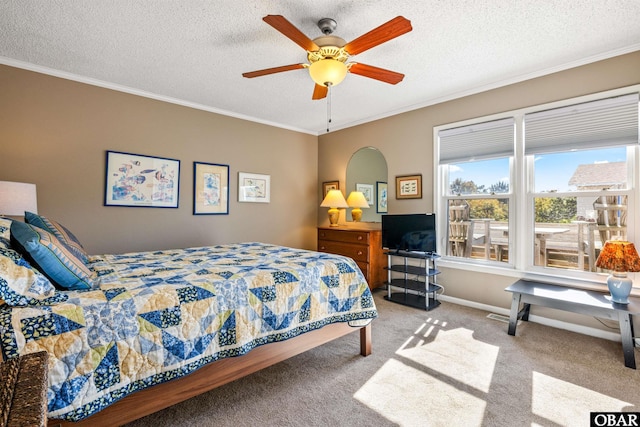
(194, 52)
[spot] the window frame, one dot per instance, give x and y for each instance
(521, 198)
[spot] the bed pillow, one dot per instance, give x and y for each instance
(21, 285)
(61, 232)
(5, 234)
(51, 257)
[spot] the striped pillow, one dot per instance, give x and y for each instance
(61, 232)
(51, 257)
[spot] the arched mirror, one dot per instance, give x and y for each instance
(367, 168)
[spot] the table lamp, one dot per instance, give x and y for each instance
(17, 197)
(619, 257)
(334, 200)
(356, 200)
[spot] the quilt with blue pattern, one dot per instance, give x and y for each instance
(156, 316)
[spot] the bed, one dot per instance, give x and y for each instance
(145, 330)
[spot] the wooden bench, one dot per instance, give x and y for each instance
(579, 301)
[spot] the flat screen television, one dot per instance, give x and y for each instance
(409, 232)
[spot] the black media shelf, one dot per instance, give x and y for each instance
(410, 284)
(413, 270)
(414, 285)
(413, 300)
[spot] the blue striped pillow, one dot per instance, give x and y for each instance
(51, 257)
(60, 231)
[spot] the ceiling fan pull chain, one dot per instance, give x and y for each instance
(328, 105)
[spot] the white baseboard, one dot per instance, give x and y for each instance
(573, 327)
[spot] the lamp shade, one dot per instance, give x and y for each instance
(334, 199)
(357, 200)
(17, 197)
(619, 256)
(328, 72)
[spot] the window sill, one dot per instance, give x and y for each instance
(552, 277)
(479, 266)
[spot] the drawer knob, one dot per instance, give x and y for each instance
(322, 247)
(360, 252)
(359, 237)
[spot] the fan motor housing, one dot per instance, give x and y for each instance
(330, 48)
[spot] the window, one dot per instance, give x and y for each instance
(475, 165)
(581, 199)
(539, 189)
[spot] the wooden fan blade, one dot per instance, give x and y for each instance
(319, 92)
(273, 70)
(281, 24)
(372, 72)
(385, 32)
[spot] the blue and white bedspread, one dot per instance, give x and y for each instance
(160, 315)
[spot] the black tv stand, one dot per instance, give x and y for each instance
(411, 254)
(415, 285)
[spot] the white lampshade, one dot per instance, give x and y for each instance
(357, 200)
(327, 72)
(334, 199)
(17, 197)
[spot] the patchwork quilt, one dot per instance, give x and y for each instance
(155, 316)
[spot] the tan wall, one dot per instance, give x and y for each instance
(54, 133)
(412, 132)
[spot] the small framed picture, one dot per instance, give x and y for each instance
(381, 197)
(137, 180)
(254, 187)
(210, 189)
(329, 185)
(409, 187)
(367, 190)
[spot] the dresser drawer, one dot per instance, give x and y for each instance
(357, 252)
(344, 236)
(364, 246)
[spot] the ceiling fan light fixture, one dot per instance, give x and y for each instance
(328, 72)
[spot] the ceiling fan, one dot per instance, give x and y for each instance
(328, 54)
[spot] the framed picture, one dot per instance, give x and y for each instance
(367, 190)
(381, 197)
(409, 187)
(329, 185)
(254, 187)
(210, 189)
(141, 181)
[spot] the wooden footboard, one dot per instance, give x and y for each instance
(215, 374)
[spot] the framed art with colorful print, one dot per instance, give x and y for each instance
(137, 180)
(210, 189)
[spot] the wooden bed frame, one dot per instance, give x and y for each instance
(215, 374)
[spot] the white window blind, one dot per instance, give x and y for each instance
(604, 123)
(487, 140)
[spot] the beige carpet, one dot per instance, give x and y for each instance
(451, 366)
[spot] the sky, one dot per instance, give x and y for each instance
(553, 171)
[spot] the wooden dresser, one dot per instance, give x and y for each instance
(363, 245)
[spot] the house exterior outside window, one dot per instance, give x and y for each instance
(545, 199)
